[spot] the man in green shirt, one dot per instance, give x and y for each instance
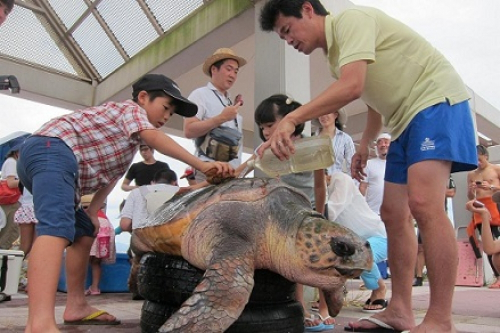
(409, 87)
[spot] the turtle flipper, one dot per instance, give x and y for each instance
(218, 300)
(334, 300)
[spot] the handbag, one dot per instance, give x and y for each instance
(8, 195)
(220, 144)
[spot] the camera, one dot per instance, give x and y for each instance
(9, 82)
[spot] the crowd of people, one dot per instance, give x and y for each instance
(373, 57)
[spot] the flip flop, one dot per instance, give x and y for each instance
(317, 328)
(382, 327)
(381, 302)
(327, 326)
(91, 320)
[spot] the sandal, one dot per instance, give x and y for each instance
(90, 292)
(324, 319)
(381, 302)
(315, 326)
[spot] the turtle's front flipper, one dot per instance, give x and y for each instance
(334, 300)
(218, 300)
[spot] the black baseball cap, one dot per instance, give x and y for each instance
(151, 82)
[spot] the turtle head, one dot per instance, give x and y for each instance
(332, 249)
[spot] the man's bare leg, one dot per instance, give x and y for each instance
(402, 253)
(427, 195)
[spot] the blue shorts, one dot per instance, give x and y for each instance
(441, 132)
(47, 167)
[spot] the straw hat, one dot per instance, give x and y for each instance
(221, 54)
(86, 199)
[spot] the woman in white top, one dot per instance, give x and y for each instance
(10, 233)
(332, 124)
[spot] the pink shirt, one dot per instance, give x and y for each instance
(104, 140)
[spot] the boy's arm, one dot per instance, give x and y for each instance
(97, 202)
(164, 144)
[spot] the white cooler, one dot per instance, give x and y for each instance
(14, 264)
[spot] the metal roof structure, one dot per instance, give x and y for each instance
(68, 32)
(78, 53)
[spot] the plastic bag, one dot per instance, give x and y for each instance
(8, 195)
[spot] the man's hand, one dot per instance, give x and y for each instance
(358, 164)
(229, 113)
(216, 172)
(280, 142)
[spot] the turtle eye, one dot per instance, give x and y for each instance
(342, 248)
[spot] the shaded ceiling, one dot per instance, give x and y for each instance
(80, 53)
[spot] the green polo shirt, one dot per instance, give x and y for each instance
(405, 73)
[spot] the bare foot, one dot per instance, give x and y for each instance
(437, 327)
(391, 319)
(78, 314)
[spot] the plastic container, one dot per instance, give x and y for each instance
(114, 277)
(311, 153)
(14, 265)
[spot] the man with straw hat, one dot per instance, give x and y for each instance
(215, 107)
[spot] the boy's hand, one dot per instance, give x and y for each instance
(216, 172)
(95, 221)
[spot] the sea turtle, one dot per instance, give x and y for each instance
(233, 228)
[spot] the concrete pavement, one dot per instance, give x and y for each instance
(475, 310)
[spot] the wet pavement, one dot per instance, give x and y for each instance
(475, 309)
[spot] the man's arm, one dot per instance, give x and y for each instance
(348, 88)
(471, 194)
(360, 158)
(194, 127)
(320, 190)
(126, 224)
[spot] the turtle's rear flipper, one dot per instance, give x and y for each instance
(218, 300)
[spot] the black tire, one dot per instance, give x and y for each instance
(171, 280)
(167, 279)
(154, 315)
(271, 318)
(270, 288)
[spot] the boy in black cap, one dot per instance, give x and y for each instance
(86, 152)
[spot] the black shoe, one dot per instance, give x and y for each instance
(418, 282)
